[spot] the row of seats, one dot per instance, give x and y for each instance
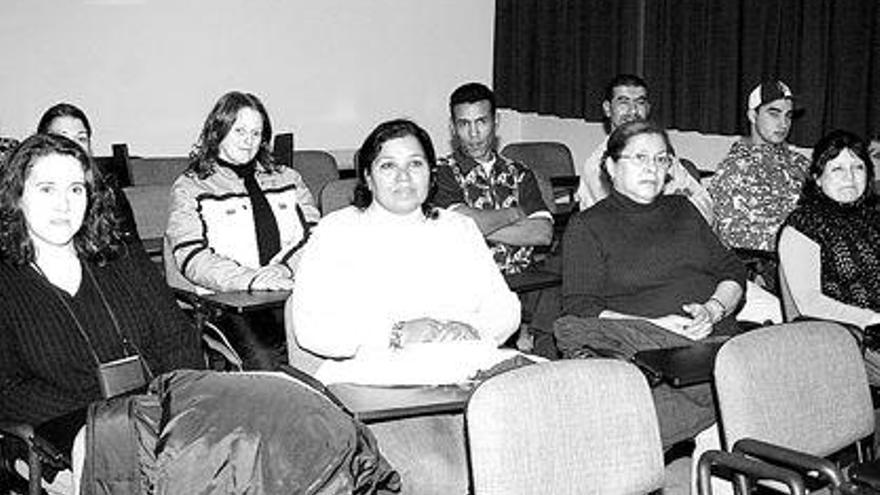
(788, 396)
(146, 180)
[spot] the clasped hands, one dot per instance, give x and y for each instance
(274, 276)
(432, 330)
(695, 327)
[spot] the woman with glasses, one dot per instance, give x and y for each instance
(643, 270)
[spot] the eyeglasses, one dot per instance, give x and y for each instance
(662, 160)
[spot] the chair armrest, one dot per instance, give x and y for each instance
(22, 431)
(816, 467)
(866, 473)
(742, 465)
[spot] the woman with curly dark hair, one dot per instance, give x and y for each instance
(70, 301)
(78, 304)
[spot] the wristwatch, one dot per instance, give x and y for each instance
(395, 341)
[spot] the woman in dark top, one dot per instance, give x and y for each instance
(644, 270)
(56, 278)
(75, 297)
(829, 247)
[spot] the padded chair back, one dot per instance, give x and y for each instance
(337, 194)
(799, 385)
(565, 427)
(156, 170)
(550, 158)
(789, 307)
(546, 189)
(150, 207)
(317, 168)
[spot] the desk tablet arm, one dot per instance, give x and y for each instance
(744, 469)
(815, 468)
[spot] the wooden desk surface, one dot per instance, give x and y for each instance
(372, 404)
(239, 301)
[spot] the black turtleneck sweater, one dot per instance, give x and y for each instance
(643, 260)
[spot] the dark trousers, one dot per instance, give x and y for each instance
(257, 337)
(681, 412)
(542, 308)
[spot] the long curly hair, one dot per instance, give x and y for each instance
(98, 237)
(217, 125)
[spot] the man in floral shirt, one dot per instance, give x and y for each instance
(500, 195)
(758, 183)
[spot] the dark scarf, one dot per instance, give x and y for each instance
(849, 239)
(265, 225)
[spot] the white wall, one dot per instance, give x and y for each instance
(148, 71)
(705, 150)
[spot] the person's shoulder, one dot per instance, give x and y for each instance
(341, 219)
(446, 161)
(678, 205)
(445, 218)
(598, 214)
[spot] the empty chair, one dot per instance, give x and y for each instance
(800, 386)
(550, 159)
(316, 167)
(575, 426)
(337, 194)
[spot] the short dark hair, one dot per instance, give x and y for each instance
(471, 92)
(828, 148)
(218, 124)
(97, 239)
(621, 136)
(63, 110)
(371, 148)
(623, 80)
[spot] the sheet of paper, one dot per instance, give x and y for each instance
(440, 363)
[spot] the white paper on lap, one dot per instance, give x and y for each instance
(436, 363)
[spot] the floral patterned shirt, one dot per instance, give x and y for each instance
(461, 180)
(755, 188)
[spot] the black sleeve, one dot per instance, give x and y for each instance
(584, 270)
(530, 199)
(175, 342)
(726, 265)
(448, 190)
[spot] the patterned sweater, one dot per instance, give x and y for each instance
(755, 187)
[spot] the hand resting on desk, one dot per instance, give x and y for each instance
(434, 363)
(431, 330)
(272, 277)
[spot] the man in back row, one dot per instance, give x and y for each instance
(501, 196)
(626, 99)
(758, 183)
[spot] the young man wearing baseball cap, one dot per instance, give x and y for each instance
(758, 183)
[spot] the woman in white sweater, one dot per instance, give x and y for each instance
(392, 271)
